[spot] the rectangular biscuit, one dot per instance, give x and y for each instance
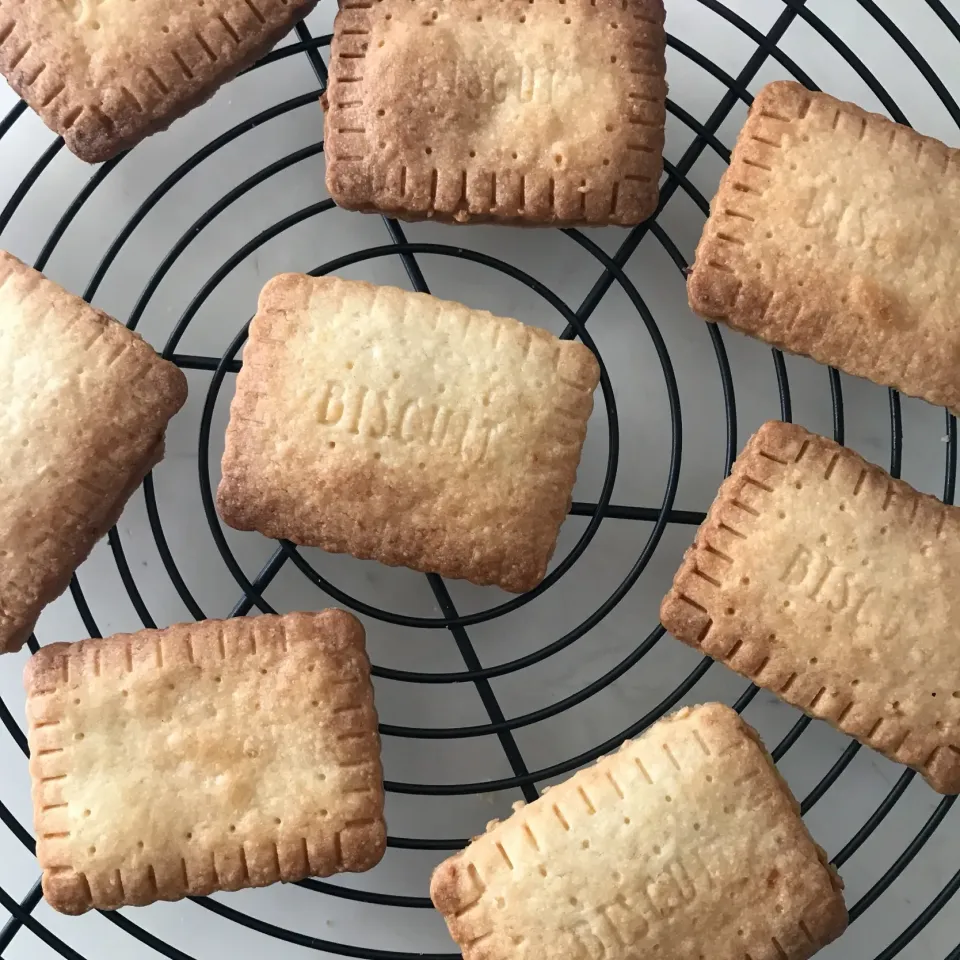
(685, 843)
(208, 756)
(86, 404)
(406, 429)
(834, 236)
(500, 110)
(104, 74)
(823, 579)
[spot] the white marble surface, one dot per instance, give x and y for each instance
(644, 460)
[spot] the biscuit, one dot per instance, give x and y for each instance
(86, 404)
(499, 110)
(685, 843)
(834, 236)
(104, 74)
(406, 429)
(208, 756)
(823, 579)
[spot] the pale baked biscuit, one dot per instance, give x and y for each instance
(207, 756)
(685, 843)
(834, 235)
(823, 579)
(104, 74)
(86, 404)
(503, 110)
(406, 429)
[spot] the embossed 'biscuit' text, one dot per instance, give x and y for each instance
(487, 111)
(708, 849)
(839, 593)
(385, 414)
(815, 576)
(825, 209)
(510, 79)
(644, 900)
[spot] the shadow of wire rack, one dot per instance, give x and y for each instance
(382, 925)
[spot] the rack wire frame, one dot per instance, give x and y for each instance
(610, 272)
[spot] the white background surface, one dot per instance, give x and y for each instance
(644, 461)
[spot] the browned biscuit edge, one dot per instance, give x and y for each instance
(60, 666)
(686, 610)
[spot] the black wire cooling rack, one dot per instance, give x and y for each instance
(611, 273)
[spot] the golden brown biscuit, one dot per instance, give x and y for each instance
(104, 74)
(823, 579)
(207, 756)
(86, 404)
(686, 843)
(503, 110)
(834, 236)
(406, 429)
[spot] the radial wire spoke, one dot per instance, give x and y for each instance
(144, 936)
(617, 512)
(484, 689)
(14, 925)
(261, 581)
(13, 728)
(37, 928)
(487, 696)
(685, 165)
